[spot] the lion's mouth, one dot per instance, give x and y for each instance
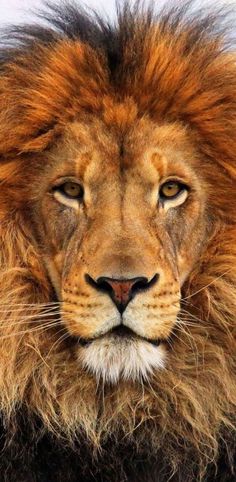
(122, 332)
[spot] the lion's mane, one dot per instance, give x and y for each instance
(179, 66)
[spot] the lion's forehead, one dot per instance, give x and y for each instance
(92, 151)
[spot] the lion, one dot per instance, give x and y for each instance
(118, 254)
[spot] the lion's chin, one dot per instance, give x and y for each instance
(112, 358)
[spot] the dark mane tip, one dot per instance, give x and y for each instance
(73, 21)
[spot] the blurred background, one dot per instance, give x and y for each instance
(15, 11)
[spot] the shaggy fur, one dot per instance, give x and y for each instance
(57, 422)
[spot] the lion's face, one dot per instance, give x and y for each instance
(121, 221)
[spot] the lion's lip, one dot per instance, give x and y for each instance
(120, 331)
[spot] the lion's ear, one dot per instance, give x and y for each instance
(20, 263)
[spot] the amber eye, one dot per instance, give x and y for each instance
(171, 189)
(71, 189)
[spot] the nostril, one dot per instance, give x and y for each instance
(143, 284)
(104, 285)
(90, 281)
(100, 284)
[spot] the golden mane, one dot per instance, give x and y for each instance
(51, 76)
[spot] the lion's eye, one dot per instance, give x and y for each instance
(173, 193)
(71, 190)
(69, 193)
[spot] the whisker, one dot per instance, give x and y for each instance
(174, 334)
(13, 307)
(192, 344)
(183, 328)
(49, 303)
(39, 354)
(57, 342)
(206, 286)
(22, 316)
(188, 303)
(35, 317)
(200, 321)
(26, 326)
(30, 330)
(190, 315)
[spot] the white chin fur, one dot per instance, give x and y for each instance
(112, 358)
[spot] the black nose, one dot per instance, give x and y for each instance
(121, 291)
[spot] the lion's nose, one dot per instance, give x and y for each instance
(122, 291)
